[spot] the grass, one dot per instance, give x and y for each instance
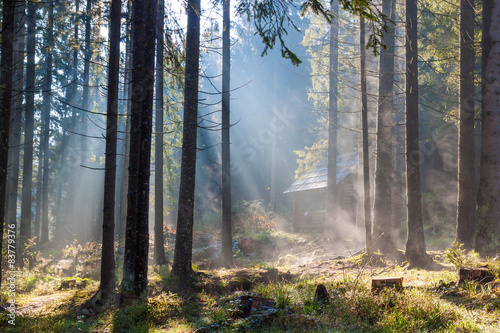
(430, 302)
(48, 297)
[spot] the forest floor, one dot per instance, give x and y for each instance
(271, 289)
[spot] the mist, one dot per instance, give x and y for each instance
(279, 131)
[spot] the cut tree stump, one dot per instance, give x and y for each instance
(321, 295)
(481, 275)
(385, 282)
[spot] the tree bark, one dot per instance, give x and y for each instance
(25, 232)
(16, 117)
(398, 189)
(47, 101)
(73, 157)
(184, 236)
(364, 129)
(135, 265)
(7, 54)
(466, 207)
(38, 200)
(226, 232)
(382, 233)
(127, 92)
(159, 250)
(86, 81)
(415, 246)
(65, 177)
(107, 287)
(331, 207)
(83, 215)
(489, 182)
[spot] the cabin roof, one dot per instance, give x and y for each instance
(317, 177)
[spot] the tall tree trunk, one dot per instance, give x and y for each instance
(47, 101)
(6, 62)
(16, 116)
(127, 91)
(360, 212)
(83, 211)
(275, 105)
(398, 187)
(64, 173)
(184, 236)
(466, 207)
(364, 129)
(107, 287)
(25, 232)
(415, 246)
(58, 225)
(73, 156)
(382, 233)
(125, 173)
(159, 250)
(38, 200)
(331, 198)
(135, 265)
(489, 183)
(86, 81)
(226, 232)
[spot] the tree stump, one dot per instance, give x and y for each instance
(481, 275)
(321, 295)
(385, 282)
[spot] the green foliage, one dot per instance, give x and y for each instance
(424, 305)
(458, 257)
(272, 19)
(309, 157)
(133, 318)
(316, 39)
(471, 287)
(248, 209)
(29, 283)
(494, 267)
(254, 217)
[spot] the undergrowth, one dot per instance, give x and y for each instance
(49, 298)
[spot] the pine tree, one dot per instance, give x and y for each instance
(107, 287)
(25, 230)
(184, 237)
(16, 117)
(6, 72)
(135, 265)
(332, 118)
(159, 250)
(466, 211)
(226, 234)
(47, 106)
(364, 129)
(383, 167)
(415, 246)
(489, 183)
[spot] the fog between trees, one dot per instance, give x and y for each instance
(243, 109)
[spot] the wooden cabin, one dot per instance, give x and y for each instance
(309, 193)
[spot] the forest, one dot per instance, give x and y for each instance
(249, 166)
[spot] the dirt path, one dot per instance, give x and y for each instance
(37, 305)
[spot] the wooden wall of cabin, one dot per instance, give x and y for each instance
(315, 200)
(307, 201)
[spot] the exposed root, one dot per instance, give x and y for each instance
(100, 302)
